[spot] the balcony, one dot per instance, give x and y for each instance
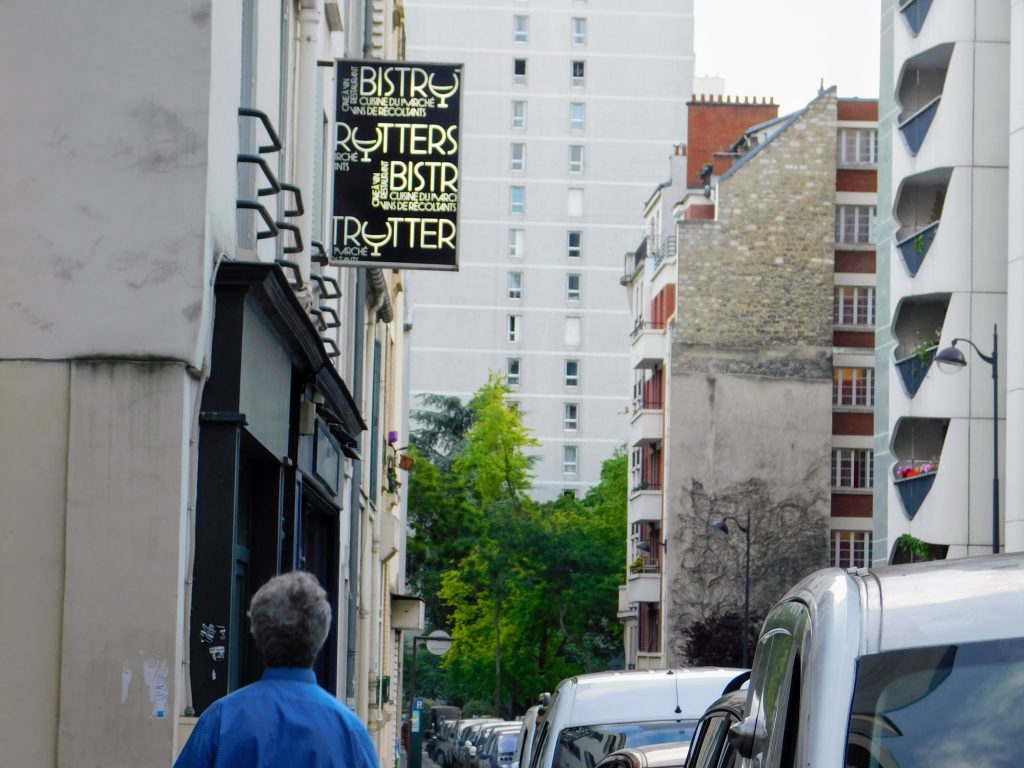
(919, 91)
(667, 250)
(643, 588)
(644, 506)
(649, 348)
(919, 205)
(914, 248)
(648, 425)
(916, 445)
(627, 610)
(914, 13)
(917, 325)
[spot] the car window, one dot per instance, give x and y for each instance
(708, 741)
(951, 705)
(584, 746)
(770, 678)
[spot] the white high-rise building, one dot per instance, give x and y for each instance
(569, 109)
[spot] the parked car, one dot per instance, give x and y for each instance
(439, 715)
(497, 746)
(710, 747)
(896, 667)
(527, 740)
(654, 756)
(448, 749)
(595, 714)
(468, 738)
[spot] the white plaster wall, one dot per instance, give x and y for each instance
(33, 466)
(123, 602)
(1014, 480)
(635, 113)
(105, 177)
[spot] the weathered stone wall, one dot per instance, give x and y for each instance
(751, 379)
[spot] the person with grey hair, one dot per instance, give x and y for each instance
(284, 719)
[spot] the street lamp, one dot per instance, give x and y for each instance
(438, 642)
(721, 526)
(952, 359)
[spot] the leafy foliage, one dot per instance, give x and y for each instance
(529, 591)
(717, 641)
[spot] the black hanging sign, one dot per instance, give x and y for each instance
(396, 164)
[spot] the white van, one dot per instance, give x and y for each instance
(897, 667)
(593, 715)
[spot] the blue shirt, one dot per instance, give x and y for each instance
(285, 719)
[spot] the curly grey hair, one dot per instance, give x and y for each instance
(289, 619)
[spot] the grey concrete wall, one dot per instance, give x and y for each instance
(105, 174)
(125, 563)
(751, 379)
(33, 465)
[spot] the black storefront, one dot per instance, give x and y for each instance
(276, 425)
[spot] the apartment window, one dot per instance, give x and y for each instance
(854, 224)
(575, 158)
(577, 116)
(851, 549)
(575, 244)
(853, 387)
(858, 146)
(571, 417)
(570, 459)
(515, 324)
(520, 28)
(518, 114)
(569, 492)
(517, 154)
(513, 367)
(515, 285)
(572, 373)
(574, 202)
(516, 239)
(579, 31)
(572, 286)
(573, 331)
(519, 71)
(517, 199)
(854, 305)
(579, 76)
(853, 468)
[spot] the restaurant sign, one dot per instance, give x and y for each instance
(396, 165)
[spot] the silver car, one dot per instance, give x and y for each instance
(898, 667)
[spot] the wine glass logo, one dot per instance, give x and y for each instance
(365, 146)
(443, 92)
(375, 241)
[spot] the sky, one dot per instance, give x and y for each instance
(783, 48)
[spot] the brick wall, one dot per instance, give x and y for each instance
(713, 125)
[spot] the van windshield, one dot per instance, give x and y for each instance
(951, 705)
(583, 746)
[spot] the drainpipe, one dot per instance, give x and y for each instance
(355, 503)
(305, 125)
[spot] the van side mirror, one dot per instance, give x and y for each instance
(748, 737)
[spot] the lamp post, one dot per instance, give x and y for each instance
(952, 359)
(721, 526)
(438, 642)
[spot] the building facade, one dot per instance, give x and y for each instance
(565, 124)
(192, 398)
(753, 357)
(947, 70)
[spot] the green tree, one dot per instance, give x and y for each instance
(528, 591)
(441, 427)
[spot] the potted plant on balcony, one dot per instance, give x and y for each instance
(914, 367)
(638, 565)
(913, 480)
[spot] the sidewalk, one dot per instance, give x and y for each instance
(427, 762)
